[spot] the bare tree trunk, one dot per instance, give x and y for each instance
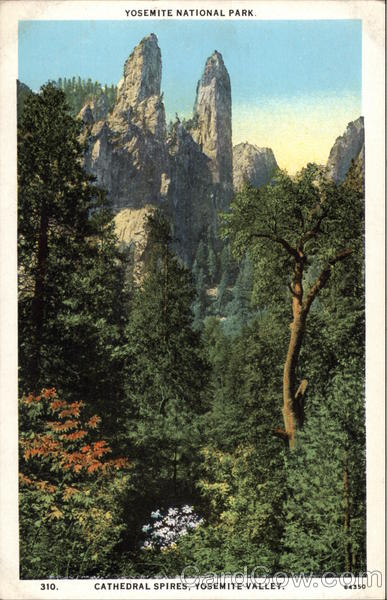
(293, 397)
(292, 407)
(292, 411)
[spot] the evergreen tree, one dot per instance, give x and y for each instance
(78, 91)
(224, 296)
(165, 372)
(211, 264)
(239, 309)
(71, 297)
(325, 510)
(242, 482)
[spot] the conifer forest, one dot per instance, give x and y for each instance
(195, 396)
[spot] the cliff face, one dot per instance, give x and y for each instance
(188, 172)
(212, 120)
(127, 152)
(253, 165)
(200, 158)
(191, 171)
(347, 147)
(191, 192)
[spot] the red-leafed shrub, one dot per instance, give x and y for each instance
(70, 519)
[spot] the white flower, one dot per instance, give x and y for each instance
(164, 531)
(147, 545)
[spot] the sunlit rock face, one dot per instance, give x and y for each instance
(127, 151)
(347, 147)
(252, 165)
(187, 171)
(212, 119)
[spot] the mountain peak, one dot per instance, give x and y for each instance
(346, 148)
(142, 72)
(252, 164)
(212, 113)
(214, 68)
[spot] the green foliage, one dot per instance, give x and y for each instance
(71, 276)
(244, 514)
(165, 377)
(187, 372)
(307, 211)
(332, 444)
(78, 91)
(331, 449)
(70, 515)
(242, 479)
(22, 93)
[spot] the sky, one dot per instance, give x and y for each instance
(295, 84)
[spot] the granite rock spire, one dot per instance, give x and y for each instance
(127, 152)
(212, 119)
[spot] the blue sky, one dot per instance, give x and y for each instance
(292, 78)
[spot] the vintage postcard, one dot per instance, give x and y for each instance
(192, 299)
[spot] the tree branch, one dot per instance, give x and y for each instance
(282, 434)
(314, 231)
(275, 238)
(293, 293)
(324, 276)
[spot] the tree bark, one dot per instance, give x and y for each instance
(293, 399)
(292, 413)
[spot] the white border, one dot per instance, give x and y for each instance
(371, 12)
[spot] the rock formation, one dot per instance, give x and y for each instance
(253, 165)
(127, 152)
(94, 110)
(130, 230)
(200, 155)
(347, 147)
(191, 193)
(191, 170)
(188, 171)
(212, 120)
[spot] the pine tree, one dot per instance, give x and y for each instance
(239, 310)
(224, 296)
(242, 482)
(165, 369)
(325, 510)
(71, 297)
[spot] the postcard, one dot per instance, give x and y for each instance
(192, 299)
